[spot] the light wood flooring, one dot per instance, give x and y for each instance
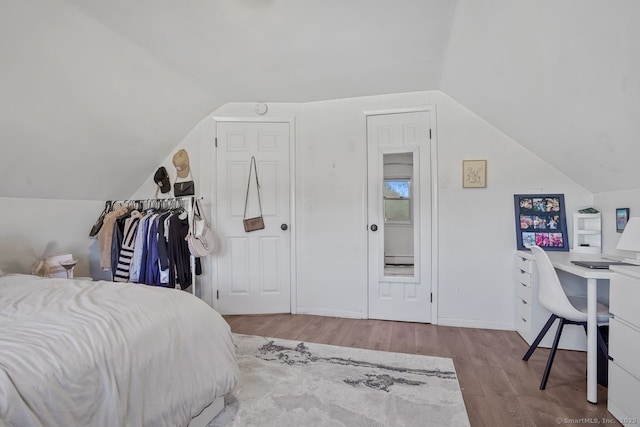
(498, 387)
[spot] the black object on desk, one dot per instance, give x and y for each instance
(599, 264)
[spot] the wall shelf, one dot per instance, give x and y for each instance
(587, 233)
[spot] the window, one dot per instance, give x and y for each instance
(397, 200)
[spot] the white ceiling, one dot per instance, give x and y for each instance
(95, 94)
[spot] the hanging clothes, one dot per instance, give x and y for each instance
(138, 251)
(178, 253)
(126, 252)
(105, 236)
(147, 246)
(152, 273)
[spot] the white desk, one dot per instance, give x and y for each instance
(562, 261)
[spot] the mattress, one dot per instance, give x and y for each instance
(80, 353)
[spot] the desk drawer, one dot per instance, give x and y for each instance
(524, 292)
(524, 264)
(624, 346)
(623, 392)
(523, 327)
(523, 310)
(523, 277)
(624, 298)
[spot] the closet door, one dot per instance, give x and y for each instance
(254, 268)
(399, 211)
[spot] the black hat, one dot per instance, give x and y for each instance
(161, 177)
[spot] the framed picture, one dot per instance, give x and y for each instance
(541, 221)
(474, 173)
(622, 216)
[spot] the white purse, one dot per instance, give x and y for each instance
(199, 238)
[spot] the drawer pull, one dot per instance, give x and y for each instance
(523, 319)
(523, 285)
(524, 302)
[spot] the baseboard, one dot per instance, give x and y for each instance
(480, 324)
(330, 313)
(442, 321)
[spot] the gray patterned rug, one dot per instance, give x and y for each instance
(289, 383)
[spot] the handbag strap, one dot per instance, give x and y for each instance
(196, 210)
(246, 199)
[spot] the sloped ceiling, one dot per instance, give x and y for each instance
(95, 94)
(560, 77)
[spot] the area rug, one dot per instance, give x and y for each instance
(290, 383)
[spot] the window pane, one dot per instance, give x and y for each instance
(396, 189)
(396, 210)
(396, 194)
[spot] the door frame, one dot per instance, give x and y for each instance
(431, 110)
(293, 303)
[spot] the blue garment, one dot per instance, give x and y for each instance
(136, 262)
(142, 276)
(152, 274)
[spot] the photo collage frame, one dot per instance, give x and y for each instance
(541, 221)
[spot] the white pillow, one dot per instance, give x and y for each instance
(1, 273)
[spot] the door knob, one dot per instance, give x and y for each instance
(374, 227)
(284, 227)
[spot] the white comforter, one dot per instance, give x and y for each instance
(81, 353)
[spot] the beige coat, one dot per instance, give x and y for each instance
(105, 236)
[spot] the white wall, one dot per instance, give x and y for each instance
(330, 172)
(476, 226)
(607, 203)
(28, 225)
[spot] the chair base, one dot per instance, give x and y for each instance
(602, 346)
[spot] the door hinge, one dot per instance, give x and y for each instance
(217, 294)
(431, 297)
(217, 141)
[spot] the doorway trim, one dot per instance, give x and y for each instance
(431, 110)
(293, 302)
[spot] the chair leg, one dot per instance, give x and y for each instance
(552, 355)
(539, 338)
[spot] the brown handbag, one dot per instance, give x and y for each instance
(257, 223)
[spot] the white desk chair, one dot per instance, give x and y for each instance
(571, 310)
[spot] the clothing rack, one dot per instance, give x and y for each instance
(167, 203)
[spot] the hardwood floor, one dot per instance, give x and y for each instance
(498, 387)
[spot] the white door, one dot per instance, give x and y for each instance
(399, 216)
(253, 268)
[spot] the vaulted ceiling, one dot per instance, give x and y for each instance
(95, 94)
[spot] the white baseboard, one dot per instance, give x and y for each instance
(330, 313)
(442, 321)
(480, 324)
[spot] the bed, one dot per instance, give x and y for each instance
(77, 352)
